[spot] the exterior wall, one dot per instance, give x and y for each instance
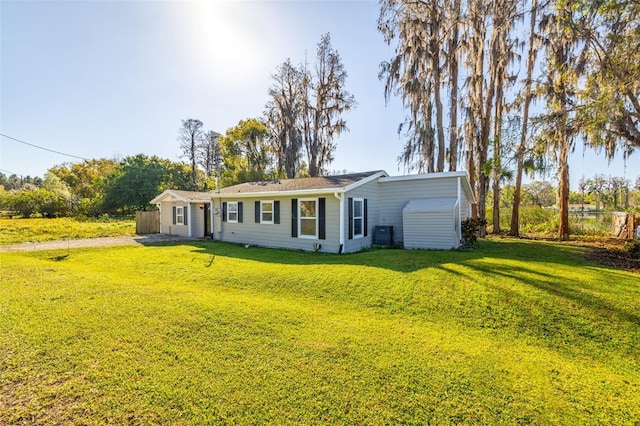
(430, 230)
(277, 235)
(166, 219)
(197, 220)
(371, 192)
(394, 195)
(465, 203)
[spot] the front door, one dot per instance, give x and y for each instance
(207, 220)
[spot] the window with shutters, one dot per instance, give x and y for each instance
(266, 211)
(180, 211)
(232, 212)
(358, 218)
(307, 218)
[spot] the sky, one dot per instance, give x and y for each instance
(111, 79)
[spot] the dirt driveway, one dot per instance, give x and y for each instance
(92, 242)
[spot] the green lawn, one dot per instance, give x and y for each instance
(15, 231)
(515, 332)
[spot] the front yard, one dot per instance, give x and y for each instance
(516, 332)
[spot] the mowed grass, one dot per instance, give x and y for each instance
(15, 231)
(513, 332)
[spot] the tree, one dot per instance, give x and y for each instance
(211, 158)
(85, 181)
(246, 153)
(597, 187)
(306, 111)
(415, 73)
(327, 101)
(541, 194)
(532, 51)
(283, 115)
(191, 137)
(501, 53)
(609, 100)
(563, 66)
(138, 179)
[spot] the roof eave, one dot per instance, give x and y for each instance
(277, 193)
(440, 175)
(169, 192)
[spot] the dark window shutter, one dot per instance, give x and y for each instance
(224, 212)
(257, 204)
(350, 207)
(322, 208)
(175, 214)
(366, 219)
(294, 217)
(239, 211)
(184, 215)
(276, 212)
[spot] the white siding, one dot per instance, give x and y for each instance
(394, 195)
(429, 230)
(277, 235)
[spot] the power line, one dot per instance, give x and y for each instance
(43, 148)
(11, 173)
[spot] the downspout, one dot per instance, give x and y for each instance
(211, 217)
(189, 217)
(341, 215)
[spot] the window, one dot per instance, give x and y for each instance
(232, 212)
(180, 211)
(358, 218)
(266, 211)
(308, 224)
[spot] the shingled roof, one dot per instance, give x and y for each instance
(299, 184)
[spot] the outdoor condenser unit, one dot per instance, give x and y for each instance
(383, 235)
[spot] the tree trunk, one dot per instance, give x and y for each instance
(437, 84)
(563, 187)
(531, 58)
(453, 87)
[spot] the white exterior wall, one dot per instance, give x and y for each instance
(430, 230)
(394, 195)
(277, 235)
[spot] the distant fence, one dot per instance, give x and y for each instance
(148, 222)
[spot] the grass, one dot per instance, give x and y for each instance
(15, 231)
(515, 332)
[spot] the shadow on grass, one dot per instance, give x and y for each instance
(531, 288)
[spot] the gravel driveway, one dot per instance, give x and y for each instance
(93, 242)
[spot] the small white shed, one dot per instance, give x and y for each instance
(431, 223)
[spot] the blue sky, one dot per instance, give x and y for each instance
(114, 78)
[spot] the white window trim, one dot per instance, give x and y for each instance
(262, 203)
(300, 235)
(229, 220)
(180, 212)
(361, 234)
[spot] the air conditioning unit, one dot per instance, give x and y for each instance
(383, 235)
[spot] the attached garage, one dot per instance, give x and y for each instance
(431, 223)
